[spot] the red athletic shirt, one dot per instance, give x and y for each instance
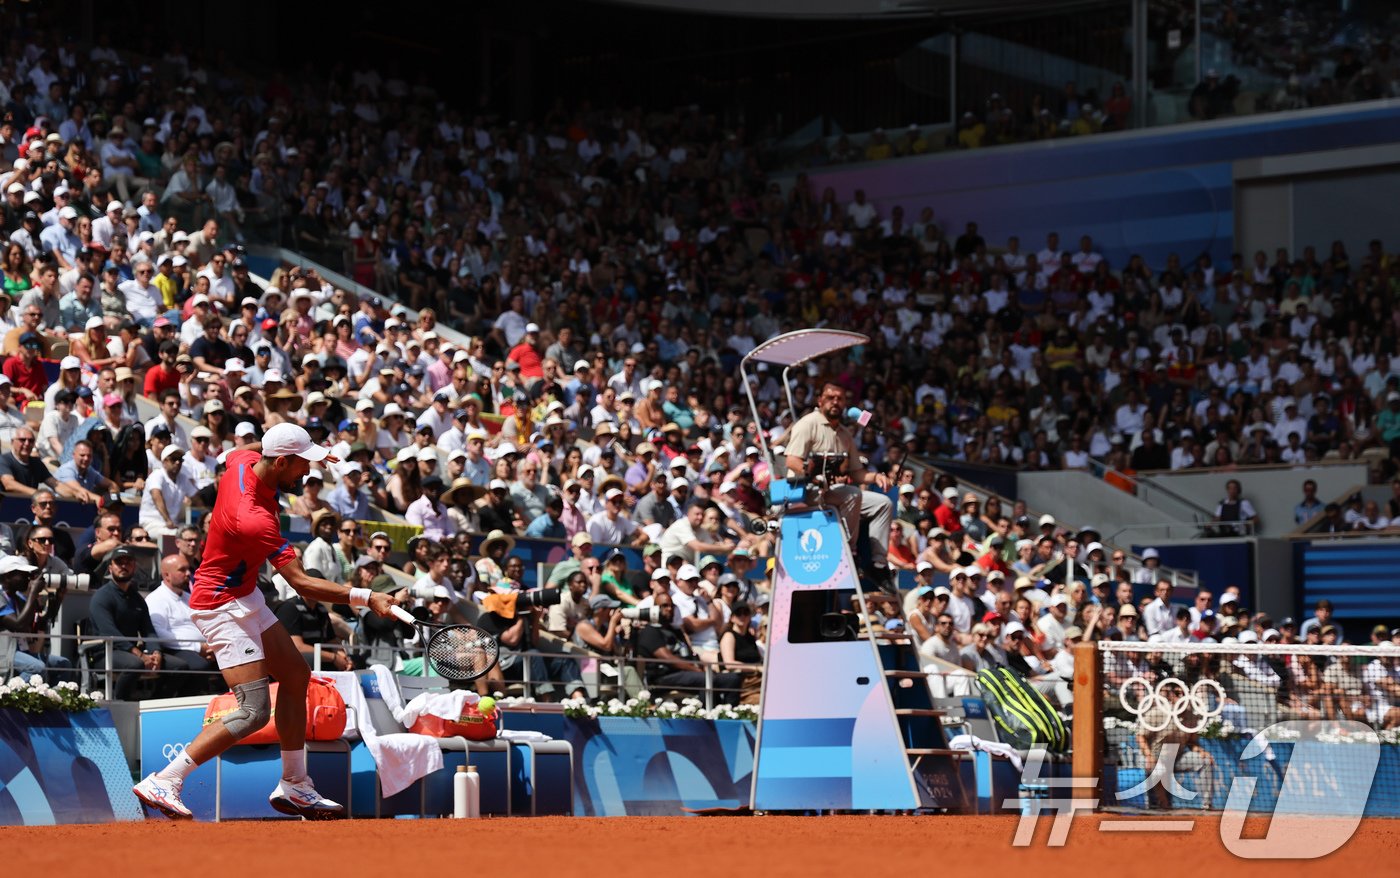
(244, 532)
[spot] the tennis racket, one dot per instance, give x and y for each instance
(457, 652)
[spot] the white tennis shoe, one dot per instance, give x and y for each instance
(162, 796)
(300, 799)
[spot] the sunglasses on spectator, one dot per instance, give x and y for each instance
(41, 540)
(350, 530)
(380, 547)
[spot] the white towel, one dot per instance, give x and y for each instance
(388, 689)
(399, 758)
(972, 742)
(443, 705)
(523, 736)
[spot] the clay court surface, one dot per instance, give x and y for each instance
(645, 847)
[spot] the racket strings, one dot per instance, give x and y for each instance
(462, 652)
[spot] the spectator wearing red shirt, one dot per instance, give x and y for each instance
(163, 376)
(25, 371)
(991, 560)
(526, 354)
(947, 514)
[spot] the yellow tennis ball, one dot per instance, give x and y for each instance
(486, 705)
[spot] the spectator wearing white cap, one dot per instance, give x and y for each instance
(963, 604)
(392, 434)
(1054, 623)
(526, 355)
(349, 499)
(166, 494)
(946, 514)
(60, 239)
(610, 526)
(907, 508)
(698, 613)
(649, 411)
(1151, 563)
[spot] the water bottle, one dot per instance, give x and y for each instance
(461, 793)
(473, 792)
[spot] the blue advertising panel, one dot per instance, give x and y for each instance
(59, 768)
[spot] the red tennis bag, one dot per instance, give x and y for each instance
(325, 713)
(472, 725)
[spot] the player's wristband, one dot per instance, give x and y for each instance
(359, 597)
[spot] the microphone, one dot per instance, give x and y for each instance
(857, 417)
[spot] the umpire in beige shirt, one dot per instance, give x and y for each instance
(821, 431)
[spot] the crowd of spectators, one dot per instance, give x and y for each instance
(608, 269)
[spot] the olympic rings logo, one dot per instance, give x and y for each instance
(1156, 701)
(170, 751)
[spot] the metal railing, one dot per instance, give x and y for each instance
(1151, 492)
(1189, 530)
(622, 664)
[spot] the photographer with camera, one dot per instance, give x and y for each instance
(821, 431)
(507, 614)
(26, 609)
(671, 664)
(600, 630)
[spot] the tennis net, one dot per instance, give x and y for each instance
(1182, 721)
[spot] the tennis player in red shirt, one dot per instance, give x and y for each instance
(248, 641)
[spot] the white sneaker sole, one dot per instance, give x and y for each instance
(284, 805)
(160, 805)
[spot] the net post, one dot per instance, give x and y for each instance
(1088, 740)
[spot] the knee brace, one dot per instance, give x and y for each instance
(254, 709)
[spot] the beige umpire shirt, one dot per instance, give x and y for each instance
(814, 434)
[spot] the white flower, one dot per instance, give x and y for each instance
(644, 695)
(96, 696)
(671, 706)
(36, 680)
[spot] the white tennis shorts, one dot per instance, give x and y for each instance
(235, 629)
